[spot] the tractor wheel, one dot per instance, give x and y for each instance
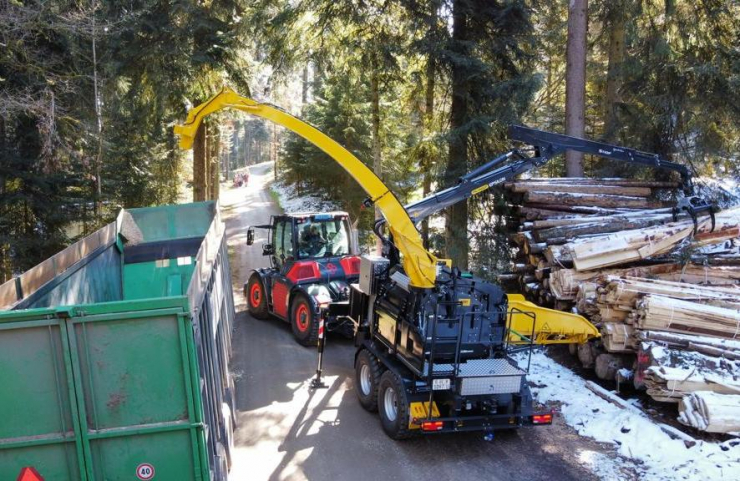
(393, 406)
(367, 378)
(254, 291)
(303, 321)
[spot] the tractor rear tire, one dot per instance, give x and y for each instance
(254, 292)
(367, 378)
(304, 321)
(393, 406)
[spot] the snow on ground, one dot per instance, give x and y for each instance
(656, 456)
(292, 202)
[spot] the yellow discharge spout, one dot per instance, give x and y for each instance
(546, 326)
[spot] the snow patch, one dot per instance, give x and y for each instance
(636, 437)
(606, 468)
(291, 201)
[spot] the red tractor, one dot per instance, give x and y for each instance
(313, 261)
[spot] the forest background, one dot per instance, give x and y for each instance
(420, 90)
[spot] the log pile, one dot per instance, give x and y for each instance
(710, 412)
(650, 281)
(669, 373)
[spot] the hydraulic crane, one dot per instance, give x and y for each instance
(544, 147)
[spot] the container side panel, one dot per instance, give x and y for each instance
(8, 293)
(169, 454)
(97, 281)
(145, 280)
(132, 371)
(192, 220)
(174, 222)
(152, 223)
(57, 462)
(34, 394)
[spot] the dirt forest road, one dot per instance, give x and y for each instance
(287, 432)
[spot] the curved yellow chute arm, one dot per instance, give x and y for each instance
(419, 264)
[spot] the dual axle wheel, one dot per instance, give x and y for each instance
(383, 391)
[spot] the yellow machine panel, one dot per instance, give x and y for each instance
(546, 326)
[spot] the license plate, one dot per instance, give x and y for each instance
(440, 384)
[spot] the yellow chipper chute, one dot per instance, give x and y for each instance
(530, 323)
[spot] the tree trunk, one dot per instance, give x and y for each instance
(590, 200)
(172, 182)
(99, 124)
(5, 270)
(247, 144)
(199, 164)
(575, 82)
(377, 159)
(304, 87)
(429, 121)
(318, 76)
(617, 20)
(214, 146)
(456, 238)
(273, 151)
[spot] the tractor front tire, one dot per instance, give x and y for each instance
(367, 378)
(393, 406)
(254, 291)
(304, 321)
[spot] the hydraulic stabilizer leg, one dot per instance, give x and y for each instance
(317, 383)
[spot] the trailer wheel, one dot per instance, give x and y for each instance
(393, 406)
(303, 321)
(254, 291)
(367, 378)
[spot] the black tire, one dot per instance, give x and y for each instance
(395, 425)
(304, 321)
(254, 292)
(367, 391)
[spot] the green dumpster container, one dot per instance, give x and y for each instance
(114, 354)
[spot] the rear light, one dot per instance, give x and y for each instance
(432, 425)
(350, 265)
(542, 418)
(301, 271)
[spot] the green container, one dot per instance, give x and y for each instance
(114, 360)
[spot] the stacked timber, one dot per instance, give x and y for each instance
(575, 231)
(651, 282)
(708, 411)
(669, 374)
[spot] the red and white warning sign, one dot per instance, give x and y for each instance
(145, 471)
(29, 474)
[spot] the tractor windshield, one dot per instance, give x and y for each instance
(322, 238)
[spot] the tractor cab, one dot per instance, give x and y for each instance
(313, 260)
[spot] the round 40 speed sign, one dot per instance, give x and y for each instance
(145, 471)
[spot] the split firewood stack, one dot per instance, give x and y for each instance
(664, 290)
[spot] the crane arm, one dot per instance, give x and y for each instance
(550, 145)
(546, 146)
(419, 264)
(473, 183)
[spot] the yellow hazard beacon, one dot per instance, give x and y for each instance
(421, 266)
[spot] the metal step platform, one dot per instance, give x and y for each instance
(483, 376)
